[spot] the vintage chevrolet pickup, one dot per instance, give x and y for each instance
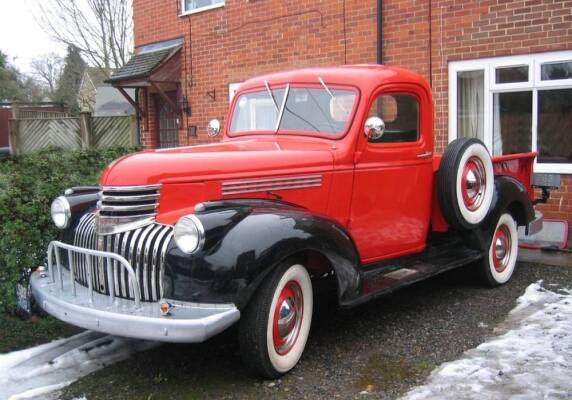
(322, 176)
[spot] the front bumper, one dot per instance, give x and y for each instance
(186, 322)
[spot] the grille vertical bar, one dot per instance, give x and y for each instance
(145, 249)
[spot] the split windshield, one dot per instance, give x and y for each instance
(304, 109)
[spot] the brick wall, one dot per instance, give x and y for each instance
(425, 40)
(249, 37)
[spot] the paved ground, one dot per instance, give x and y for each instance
(389, 345)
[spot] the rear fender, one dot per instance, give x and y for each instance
(509, 195)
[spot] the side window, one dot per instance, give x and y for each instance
(400, 113)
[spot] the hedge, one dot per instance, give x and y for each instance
(28, 184)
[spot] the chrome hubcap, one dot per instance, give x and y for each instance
(501, 248)
(288, 316)
(473, 183)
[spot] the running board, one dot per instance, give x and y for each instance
(387, 276)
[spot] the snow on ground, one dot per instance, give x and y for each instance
(531, 359)
(34, 373)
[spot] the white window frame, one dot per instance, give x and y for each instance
(198, 10)
(232, 89)
(534, 84)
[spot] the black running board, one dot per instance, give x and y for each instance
(385, 277)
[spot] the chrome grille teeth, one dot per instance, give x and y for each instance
(125, 208)
(144, 248)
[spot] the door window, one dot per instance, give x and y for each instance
(400, 113)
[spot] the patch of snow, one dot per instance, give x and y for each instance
(41, 370)
(532, 359)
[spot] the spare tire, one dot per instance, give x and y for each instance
(465, 183)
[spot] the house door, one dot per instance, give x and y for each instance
(167, 124)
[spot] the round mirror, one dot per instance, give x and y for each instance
(213, 128)
(374, 128)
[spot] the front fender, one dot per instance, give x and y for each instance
(244, 242)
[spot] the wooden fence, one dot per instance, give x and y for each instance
(29, 132)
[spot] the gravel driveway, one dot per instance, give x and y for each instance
(384, 347)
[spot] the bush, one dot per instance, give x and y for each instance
(28, 184)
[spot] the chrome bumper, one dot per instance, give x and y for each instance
(536, 224)
(59, 295)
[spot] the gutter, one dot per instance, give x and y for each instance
(380, 31)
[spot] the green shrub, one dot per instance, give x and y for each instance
(28, 184)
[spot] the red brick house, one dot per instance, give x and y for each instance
(501, 70)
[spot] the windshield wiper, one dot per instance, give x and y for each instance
(281, 112)
(326, 87)
(271, 95)
(334, 98)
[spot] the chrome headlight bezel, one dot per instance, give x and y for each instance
(63, 212)
(189, 234)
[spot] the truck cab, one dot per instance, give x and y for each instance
(322, 176)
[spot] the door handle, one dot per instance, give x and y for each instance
(427, 154)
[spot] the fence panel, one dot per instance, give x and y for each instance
(37, 134)
(111, 131)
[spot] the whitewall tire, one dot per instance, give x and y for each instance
(274, 328)
(500, 260)
(465, 183)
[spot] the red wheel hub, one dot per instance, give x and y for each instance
(473, 183)
(288, 315)
(501, 248)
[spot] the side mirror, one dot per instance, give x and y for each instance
(213, 128)
(374, 128)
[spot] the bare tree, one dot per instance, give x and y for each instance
(48, 70)
(102, 30)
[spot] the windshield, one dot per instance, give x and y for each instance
(306, 109)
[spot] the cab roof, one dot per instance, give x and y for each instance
(364, 76)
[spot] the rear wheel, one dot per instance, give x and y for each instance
(498, 265)
(275, 326)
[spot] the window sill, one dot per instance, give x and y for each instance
(200, 10)
(565, 169)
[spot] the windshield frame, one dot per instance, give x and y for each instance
(310, 85)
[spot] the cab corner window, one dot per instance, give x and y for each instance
(400, 113)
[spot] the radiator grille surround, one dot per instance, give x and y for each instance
(124, 208)
(144, 248)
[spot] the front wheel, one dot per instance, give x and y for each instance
(275, 326)
(498, 265)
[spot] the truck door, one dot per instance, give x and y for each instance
(393, 180)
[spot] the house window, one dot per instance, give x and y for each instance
(516, 104)
(193, 6)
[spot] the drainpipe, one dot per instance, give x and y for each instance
(380, 31)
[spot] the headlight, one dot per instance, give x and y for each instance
(61, 212)
(189, 234)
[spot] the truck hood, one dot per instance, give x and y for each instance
(224, 160)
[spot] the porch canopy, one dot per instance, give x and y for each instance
(158, 71)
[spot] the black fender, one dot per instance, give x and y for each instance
(245, 241)
(509, 195)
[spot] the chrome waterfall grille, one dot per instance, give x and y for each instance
(144, 248)
(124, 208)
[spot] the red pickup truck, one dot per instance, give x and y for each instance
(322, 176)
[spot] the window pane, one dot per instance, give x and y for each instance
(314, 110)
(195, 4)
(470, 104)
(512, 74)
(554, 141)
(555, 71)
(512, 123)
(400, 112)
(256, 111)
